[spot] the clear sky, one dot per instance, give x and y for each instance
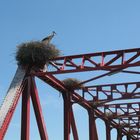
(82, 26)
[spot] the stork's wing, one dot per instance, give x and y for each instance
(46, 38)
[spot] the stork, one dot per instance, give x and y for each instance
(47, 39)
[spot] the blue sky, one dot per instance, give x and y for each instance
(82, 26)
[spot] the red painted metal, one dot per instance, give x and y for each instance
(38, 111)
(108, 131)
(67, 116)
(113, 89)
(125, 117)
(25, 120)
(9, 115)
(73, 126)
(119, 134)
(50, 79)
(98, 61)
(92, 126)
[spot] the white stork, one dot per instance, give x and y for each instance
(47, 39)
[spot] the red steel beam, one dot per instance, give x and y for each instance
(89, 62)
(114, 85)
(113, 89)
(25, 120)
(130, 121)
(96, 61)
(108, 131)
(10, 113)
(92, 126)
(67, 116)
(119, 134)
(73, 126)
(38, 111)
(112, 61)
(69, 120)
(51, 80)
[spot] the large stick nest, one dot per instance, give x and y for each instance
(35, 54)
(72, 83)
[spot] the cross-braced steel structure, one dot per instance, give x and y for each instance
(115, 103)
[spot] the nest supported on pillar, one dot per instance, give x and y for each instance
(72, 83)
(36, 54)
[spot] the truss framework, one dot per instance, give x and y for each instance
(116, 103)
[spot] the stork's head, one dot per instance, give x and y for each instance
(54, 33)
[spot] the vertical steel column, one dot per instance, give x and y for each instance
(119, 134)
(73, 125)
(92, 126)
(108, 131)
(38, 111)
(128, 137)
(25, 120)
(67, 115)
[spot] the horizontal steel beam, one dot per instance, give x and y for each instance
(114, 61)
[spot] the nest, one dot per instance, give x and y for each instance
(124, 124)
(111, 114)
(133, 131)
(35, 54)
(72, 83)
(96, 103)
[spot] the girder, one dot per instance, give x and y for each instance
(76, 98)
(126, 115)
(116, 103)
(9, 103)
(111, 92)
(112, 60)
(101, 95)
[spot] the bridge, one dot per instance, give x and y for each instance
(116, 103)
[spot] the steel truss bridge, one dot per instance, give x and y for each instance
(115, 103)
